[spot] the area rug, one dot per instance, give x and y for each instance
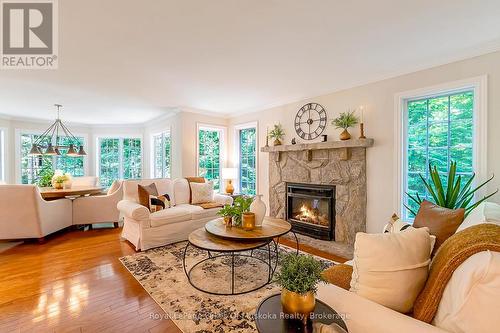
(160, 272)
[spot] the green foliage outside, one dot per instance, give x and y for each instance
(453, 195)
(345, 120)
(45, 176)
(114, 149)
(248, 144)
(299, 273)
(440, 130)
(209, 156)
(162, 155)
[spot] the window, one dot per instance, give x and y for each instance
(247, 160)
(33, 166)
(209, 153)
(119, 158)
(162, 146)
(2, 155)
(439, 129)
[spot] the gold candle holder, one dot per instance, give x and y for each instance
(248, 221)
(362, 130)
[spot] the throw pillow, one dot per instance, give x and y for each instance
(202, 192)
(193, 180)
(339, 275)
(391, 268)
(396, 225)
(486, 212)
(158, 203)
(144, 191)
(442, 222)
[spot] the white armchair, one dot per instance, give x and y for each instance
(25, 214)
(99, 208)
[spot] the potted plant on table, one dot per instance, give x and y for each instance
(241, 206)
(345, 121)
(227, 212)
(299, 277)
(277, 133)
(58, 181)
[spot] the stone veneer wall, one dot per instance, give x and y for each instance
(325, 167)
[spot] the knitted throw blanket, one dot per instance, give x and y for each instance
(454, 251)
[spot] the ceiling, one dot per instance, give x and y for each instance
(129, 61)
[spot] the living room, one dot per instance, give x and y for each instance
(180, 166)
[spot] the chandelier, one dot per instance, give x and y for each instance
(56, 128)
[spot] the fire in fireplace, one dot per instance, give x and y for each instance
(311, 209)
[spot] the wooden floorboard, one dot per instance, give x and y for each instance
(75, 283)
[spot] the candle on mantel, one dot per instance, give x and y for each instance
(362, 125)
(362, 109)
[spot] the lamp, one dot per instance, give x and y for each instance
(72, 151)
(229, 174)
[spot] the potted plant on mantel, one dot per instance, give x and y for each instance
(277, 134)
(345, 121)
(299, 277)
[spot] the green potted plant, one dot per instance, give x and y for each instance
(227, 212)
(298, 277)
(58, 181)
(241, 205)
(277, 133)
(455, 195)
(345, 120)
(44, 178)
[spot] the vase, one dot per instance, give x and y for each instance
(345, 135)
(277, 142)
(228, 220)
(58, 186)
(298, 306)
(248, 221)
(258, 207)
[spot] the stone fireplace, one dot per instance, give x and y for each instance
(339, 166)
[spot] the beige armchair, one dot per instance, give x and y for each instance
(99, 208)
(25, 214)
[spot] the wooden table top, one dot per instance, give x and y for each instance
(203, 240)
(271, 228)
(52, 193)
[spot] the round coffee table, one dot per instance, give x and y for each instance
(232, 243)
(269, 317)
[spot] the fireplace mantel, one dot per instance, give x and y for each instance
(353, 143)
(344, 146)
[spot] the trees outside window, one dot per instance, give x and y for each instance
(119, 158)
(209, 154)
(439, 130)
(31, 166)
(247, 160)
(162, 147)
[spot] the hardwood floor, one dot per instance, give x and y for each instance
(74, 282)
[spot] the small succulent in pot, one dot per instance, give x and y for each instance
(277, 133)
(299, 277)
(227, 212)
(345, 120)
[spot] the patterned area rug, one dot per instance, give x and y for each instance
(160, 271)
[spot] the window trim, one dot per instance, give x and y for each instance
(121, 138)
(236, 152)
(479, 85)
(223, 147)
(3, 164)
(152, 150)
(17, 146)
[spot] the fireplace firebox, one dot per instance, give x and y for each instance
(311, 209)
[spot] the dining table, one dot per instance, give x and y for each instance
(50, 193)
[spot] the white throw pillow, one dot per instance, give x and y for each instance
(202, 192)
(471, 301)
(397, 225)
(391, 268)
(486, 212)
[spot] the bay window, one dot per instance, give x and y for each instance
(119, 158)
(162, 147)
(210, 150)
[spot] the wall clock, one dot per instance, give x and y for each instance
(310, 121)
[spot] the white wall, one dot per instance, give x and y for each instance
(379, 97)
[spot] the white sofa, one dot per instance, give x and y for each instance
(147, 230)
(25, 214)
(469, 304)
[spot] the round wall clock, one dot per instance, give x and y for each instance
(310, 121)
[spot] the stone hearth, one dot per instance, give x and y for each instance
(338, 163)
